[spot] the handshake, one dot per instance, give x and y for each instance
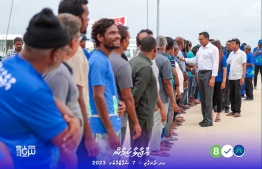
(181, 59)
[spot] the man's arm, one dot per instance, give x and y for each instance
(127, 98)
(175, 77)
(90, 143)
(103, 114)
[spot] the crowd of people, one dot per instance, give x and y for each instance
(72, 107)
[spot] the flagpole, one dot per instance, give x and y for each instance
(5, 48)
(157, 22)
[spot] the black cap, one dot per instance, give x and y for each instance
(45, 31)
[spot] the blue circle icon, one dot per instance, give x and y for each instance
(239, 151)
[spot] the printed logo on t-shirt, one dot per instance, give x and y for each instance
(6, 79)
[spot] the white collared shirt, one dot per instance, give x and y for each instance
(207, 58)
(236, 60)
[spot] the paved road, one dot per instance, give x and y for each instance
(194, 142)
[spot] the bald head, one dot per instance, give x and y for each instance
(180, 42)
(140, 37)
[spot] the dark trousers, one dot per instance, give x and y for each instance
(257, 69)
(83, 160)
(206, 95)
(140, 142)
(196, 93)
(235, 95)
(218, 96)
(249, 88)
(226, 98)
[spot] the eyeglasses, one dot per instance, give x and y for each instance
(201, 39)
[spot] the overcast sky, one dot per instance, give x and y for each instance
(223, 19)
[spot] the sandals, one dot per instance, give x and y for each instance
(236, 115)
(217, 119)
(159, 153)
(165, 148)
(230, 114)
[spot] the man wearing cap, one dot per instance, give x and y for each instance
(18, 43)
(83, 46)
(32, 121)
(249, 73)
(258, 62)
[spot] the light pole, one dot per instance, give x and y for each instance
(147, 14)
(157, 21)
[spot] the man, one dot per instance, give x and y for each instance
(37, 120)
(164, 78)
(18, 43)
(122, 73)
(249, 73)
(258, 61)
(227, 91)
(207, 59)
(138, 39)
(79, 64)
(145, 95)
(83, 46)
(237, 60)
(60, 80)
(103, 114)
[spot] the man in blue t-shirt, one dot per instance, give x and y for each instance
(249, 73)
(5, 158)
(258, 61)
(103, 114)
(227, 91)
(31, 124)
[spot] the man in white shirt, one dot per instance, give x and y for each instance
(207, 59)
(237, 61)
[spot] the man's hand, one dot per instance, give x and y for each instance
(163, 114)
(223, 85)
(91, 147)
(72, 137)
(174, 107)
(137, 130)
(212, 82)
(242, 81)
(113, 140)
(156, 108)
(121, 108)
(194, 70)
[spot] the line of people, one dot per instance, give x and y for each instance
(73, 106)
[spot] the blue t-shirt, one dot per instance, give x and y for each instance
(172, 66)
(258, 58)
(219, 77)
(250, 69)
(228, 66)
(28, 114)
(86, 53)
(101, 74)
(190, 55)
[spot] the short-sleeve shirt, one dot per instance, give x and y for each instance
(64, 88)
(236, 60)
(190, 55)
(258, 58)
(123, 77)
(250, 69)
(219, 77)
(28, 113)
(79, 64)
(101, 74)
(164, 66)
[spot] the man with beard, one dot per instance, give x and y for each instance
(18, 43)
(103, 114)
(122, 72)
(79, 64)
